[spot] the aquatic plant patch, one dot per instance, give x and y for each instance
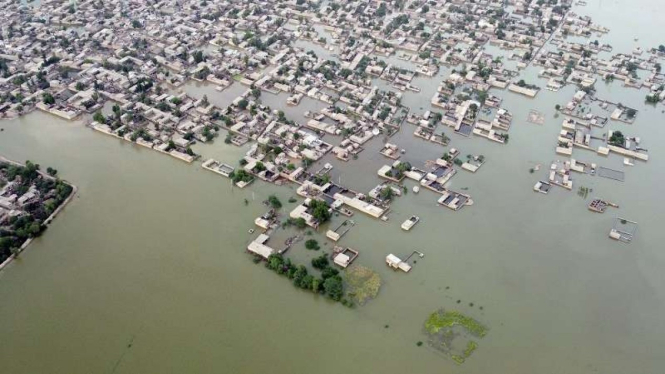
(362, 284)
(453, 334)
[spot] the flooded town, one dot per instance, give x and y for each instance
(423, 166)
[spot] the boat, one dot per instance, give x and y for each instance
(416, 189)
(409, 223)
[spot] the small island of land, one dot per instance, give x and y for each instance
(29, 200)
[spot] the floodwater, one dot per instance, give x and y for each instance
(145, 271)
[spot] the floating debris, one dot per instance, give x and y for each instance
(536, 117)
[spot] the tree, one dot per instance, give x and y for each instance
(312, 245)
(198, 56)
(48, 99)
(51, 171)
(652, 98)
(99, 117)
(617, 139)
(275, 261)
(329, 272)
(242, 104)
(386, 193)
(259, 167)
(482, 96)
(274, 202)
(334, 288)
(317, 285)
(300, 223)
(320, 262)
(631, 113)
(320, 210)
(299, 277)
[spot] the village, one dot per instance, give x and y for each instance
(29, 200)
(122, 68)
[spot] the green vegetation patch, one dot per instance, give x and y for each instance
(362, 284)
(452, 333)
(441, 319)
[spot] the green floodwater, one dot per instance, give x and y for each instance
(145, 271)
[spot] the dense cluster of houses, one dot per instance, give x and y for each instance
(71, 59)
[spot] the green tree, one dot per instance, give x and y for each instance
(386, 193)
(51, 171)
(617, 139)
(320, 210)
(312, 244)
(99, 117)
(300, 223)
(317, 285)
(329, 272)
(299, 276)
(320, 262)
(334, 288)
(198, 56)
(48, 99)
(274, 202)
